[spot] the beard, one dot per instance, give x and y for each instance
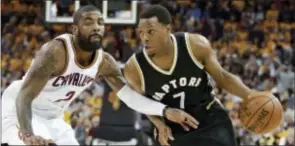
(86, 44)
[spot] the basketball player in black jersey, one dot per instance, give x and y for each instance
(172, 69)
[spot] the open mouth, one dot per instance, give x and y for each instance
(96, 37)
(148, 47)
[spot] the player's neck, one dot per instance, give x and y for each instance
(167, 50)
(82, 55)
(165, 58)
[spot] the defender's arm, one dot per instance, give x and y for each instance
(111, 72)
(46, 63)
(132, 75)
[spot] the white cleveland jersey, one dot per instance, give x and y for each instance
(59, 91)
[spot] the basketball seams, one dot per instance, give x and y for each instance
(257, 109)
(273, 108)
(249, 102)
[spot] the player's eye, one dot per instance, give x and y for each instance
(150, 32)
(100, 21)
(88, 21)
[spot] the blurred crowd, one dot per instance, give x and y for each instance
(255, 40)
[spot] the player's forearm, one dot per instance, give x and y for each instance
(133, 99)
(232, 84)
(24, 113)
(155, 120)
(115, 82)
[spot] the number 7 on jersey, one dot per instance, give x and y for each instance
(182, 98)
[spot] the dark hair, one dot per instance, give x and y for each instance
(83, 9)
(158, 11)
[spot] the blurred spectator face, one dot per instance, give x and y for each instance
(89, 30)
(153, 34)
(24, 21)
(193, 5)
(290, 138)
(12, 20)
(95, 121)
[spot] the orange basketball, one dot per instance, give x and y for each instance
(262, 113)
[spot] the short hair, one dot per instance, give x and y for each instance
(158, 11)
(81, 10)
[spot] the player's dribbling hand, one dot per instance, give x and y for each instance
(254, 94)
(37, 140)
(182, 118)
(162, 133)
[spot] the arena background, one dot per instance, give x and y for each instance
(253, 39)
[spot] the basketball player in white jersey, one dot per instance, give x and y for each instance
(33, 107)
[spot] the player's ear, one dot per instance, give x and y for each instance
(168, 28)
(75, 29)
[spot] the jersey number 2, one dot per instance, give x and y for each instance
(69, 96)
(182, 98)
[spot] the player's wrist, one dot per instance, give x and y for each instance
(24, 135)
(164, 112)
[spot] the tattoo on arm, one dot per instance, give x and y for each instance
(38, 75)
(111, 72)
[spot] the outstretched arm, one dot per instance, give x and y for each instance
(203, 52)
(111, 72)
(132, 75)
(44, 66)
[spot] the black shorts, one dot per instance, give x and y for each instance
(215, 129)
(218, 135)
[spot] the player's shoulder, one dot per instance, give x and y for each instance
(133, 73)
(54, 47)
(107, 57)
(131, 63)
(199, 40)
(200, 46)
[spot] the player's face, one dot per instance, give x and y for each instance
(153, 34)
(90, 30)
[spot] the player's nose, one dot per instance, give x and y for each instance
(145, 39)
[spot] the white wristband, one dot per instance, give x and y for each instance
(139, 102)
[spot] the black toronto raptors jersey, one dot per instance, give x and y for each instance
(185, 85)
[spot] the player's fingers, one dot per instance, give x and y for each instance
(49, 142)
(191, 123)
(43, 142)
(164, 134)
(186, 128)
(188, 117)
(163, 141)
(33, 141)
(169, 133)
(156, 135)
(40, 141)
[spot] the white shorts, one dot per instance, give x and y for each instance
(55, 128)
(102, 142)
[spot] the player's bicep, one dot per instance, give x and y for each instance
(109, 66)
(131, 74)
(40, 71)
(111, 72)
(203, 51)
(213, 67)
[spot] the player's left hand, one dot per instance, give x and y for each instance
(182, 118)
(162, 133)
